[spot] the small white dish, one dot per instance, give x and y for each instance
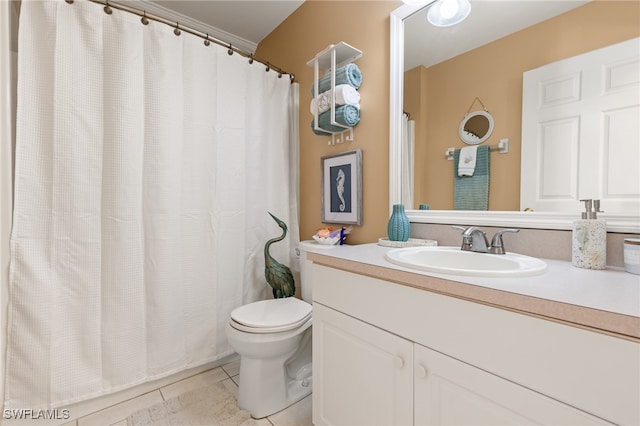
(411, 242)
(326, 240)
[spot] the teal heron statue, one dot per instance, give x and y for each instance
(278, 276)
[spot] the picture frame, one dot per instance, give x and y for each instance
(342, 188)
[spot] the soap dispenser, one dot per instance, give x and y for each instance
(589, 245)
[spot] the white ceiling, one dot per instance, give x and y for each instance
(244, 23)
(489, 20)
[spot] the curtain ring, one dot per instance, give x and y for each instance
(69, 1)
(206, 41)
(268, 68)
(144, 19)
(279, 74)
(177, 30)
(230, 51)
(250, 58)
(107, 9)
(292, 77)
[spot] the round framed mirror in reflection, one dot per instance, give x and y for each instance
(476, 127)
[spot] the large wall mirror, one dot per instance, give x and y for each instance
(491, 49)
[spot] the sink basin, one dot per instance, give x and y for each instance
(452, 260)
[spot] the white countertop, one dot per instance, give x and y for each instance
(610, 290)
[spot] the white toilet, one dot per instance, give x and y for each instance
(273, 339)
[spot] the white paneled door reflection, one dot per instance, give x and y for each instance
(580, 132)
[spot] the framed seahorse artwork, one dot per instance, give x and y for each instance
(342, 188)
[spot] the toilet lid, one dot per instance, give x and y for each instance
(271, 315)
(271, 330)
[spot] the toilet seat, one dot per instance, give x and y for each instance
(271, 316)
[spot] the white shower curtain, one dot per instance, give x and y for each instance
(408, 158)
(145, 166)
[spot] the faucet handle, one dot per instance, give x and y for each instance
(466, 238)
(462, 228)
(466, 230)
(497, 245)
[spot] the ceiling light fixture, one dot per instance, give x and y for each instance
(445, 13)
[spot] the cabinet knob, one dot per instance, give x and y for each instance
(399, 362)
(421, 372)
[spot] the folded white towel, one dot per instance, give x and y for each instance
(345, 95)
(467, 160)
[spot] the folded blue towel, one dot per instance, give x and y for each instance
(472, 192)
(349, 115)
(318, 132)
(349, 74)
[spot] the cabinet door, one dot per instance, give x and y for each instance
(451, 392)
(362, 375)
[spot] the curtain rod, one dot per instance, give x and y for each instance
(145, 17)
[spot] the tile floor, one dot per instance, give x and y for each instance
(298, 414)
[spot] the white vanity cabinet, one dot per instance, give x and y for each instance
(389, 354)
(450, 392)
(365, 372)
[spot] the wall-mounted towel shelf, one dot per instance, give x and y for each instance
(329, 60)
(502, 147)
(344, 54)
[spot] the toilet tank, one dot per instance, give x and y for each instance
(305, 266)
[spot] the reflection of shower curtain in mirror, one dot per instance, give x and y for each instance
(408, 137)
(145, 166)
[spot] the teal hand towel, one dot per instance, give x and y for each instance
(472, 192)
(349, 74)
(349, 115)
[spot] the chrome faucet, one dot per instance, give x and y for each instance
(473, 239)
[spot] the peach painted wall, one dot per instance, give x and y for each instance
(309, 30)
(494, 74)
